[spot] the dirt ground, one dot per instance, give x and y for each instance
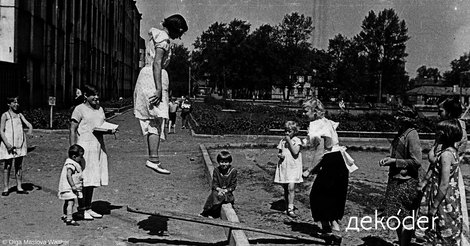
(34, 218)
(259, 202)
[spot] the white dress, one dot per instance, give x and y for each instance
(65, 190)
(95, 172)
(145, 85)
(290, 169)
(15, 135)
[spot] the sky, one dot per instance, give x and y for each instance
(439, 30)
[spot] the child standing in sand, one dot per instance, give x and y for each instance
(71, 182)
(289, 168)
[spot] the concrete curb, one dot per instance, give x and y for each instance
(235, 237)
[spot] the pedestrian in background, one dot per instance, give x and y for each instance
(224, 182)
(173, 107)
(151, 89)
(186, 108)
(289, 168)
(13, 146)
(86, 117)
(71, 183)
(404, 162)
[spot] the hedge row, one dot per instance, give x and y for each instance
(257, 119)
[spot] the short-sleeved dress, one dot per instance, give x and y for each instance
(289, 169)
(95, 172)
(15, 135)
(145, 85)
(65, 190)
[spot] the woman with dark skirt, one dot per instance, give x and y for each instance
(332, 165)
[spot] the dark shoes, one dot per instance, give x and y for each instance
(23, 192)
(5, 193)
(71, 222)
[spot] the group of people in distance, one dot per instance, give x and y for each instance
(437, 193)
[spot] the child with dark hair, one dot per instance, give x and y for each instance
(442, 194)
(71, 182)
(224, 182)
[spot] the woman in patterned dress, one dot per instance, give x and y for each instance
(401, 196)
(151, 90)
(441, 191)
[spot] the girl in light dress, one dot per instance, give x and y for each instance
(151, 90)
(289, 168)
(71, 182)
(13, 145)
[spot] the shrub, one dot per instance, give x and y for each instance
(259, 119)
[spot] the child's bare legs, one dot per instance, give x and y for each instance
(19, 173)
(6, 174)
(289, 194)
(68, 209)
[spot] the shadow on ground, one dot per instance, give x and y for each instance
(103, 207)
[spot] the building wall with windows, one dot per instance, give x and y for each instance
(61, 45)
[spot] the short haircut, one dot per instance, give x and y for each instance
(11, 99)
(89, 90)
(75, 150)
(452, 106)
(224, 155)
(176, 23)
(292, 126)
(449, 130)
(315, 105)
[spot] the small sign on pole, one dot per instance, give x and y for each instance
(52, 104)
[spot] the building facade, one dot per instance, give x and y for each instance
(59, 45)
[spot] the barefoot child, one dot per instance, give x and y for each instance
(289, 168)
(224, 182)
(71, 182)
(13, 144)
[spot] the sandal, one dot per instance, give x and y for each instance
(290, 213)
(71, 222)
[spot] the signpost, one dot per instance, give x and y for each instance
(52, 104)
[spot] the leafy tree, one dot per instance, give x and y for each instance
(349, 68)
(383, 41)
(424, 72)
(207, 56)
(459, 68)
(294, 33)
(178, 71)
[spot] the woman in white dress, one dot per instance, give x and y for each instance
(151, 90)
(85, 117)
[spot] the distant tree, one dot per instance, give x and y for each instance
(264, 59)
(236, 59)
(207, 55)
(349, 69)
(178, 71)
(294, 32)
(424, 72)
(458, 69)
(383, 41)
